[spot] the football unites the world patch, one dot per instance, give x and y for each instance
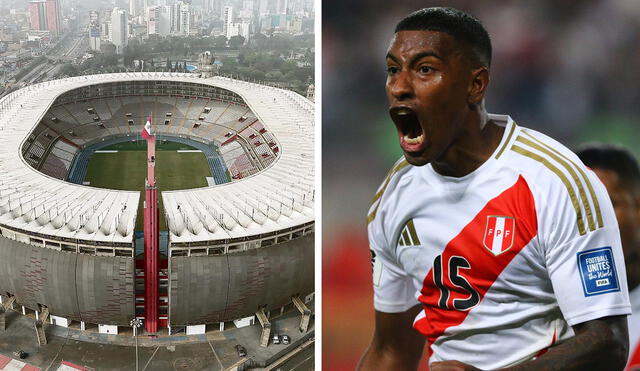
(499, 233)
(598, 271)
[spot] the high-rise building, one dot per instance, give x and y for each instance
(185, 20)
(227, 27)
(54, 19)
(165, 20)
(159, 20)
(135, 7)
(248, 5)
(263, 8)
(105, 30)
(119, 29)
(37, 15)
(94, 30)
(208, 6)
(44, 15)
(181, 18)
(175, 18)
(243, 30)
(213, 7)
(217, 8)
(231, 28)
(283, 5)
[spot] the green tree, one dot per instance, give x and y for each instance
(235, 42)
(257, 75)
(260, 40)
(274, 76)
(68, 70)
(220, 42)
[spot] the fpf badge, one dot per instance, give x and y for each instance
(499, 233)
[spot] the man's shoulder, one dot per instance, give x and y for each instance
(399, 172)
(544, 161)
(558, 178)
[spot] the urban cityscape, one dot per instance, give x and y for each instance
(158, 185)
(267, 41)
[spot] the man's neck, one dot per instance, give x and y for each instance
(474, 147)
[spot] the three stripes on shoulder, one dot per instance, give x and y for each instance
(581, 191)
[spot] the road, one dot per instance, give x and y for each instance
(214, 351)
(77, 49)
(69, 50)
(303, 361)
(299, 359)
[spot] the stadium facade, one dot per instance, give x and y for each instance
(234, 248)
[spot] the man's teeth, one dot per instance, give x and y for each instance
(404, 111)
(416, 140)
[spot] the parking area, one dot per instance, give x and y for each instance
(212, 351)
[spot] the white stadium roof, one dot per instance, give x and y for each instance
(279, 197)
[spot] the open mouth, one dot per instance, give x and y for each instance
(409, 129)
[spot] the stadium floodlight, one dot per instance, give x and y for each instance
(135, 323)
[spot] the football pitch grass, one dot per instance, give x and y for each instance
(127, 170)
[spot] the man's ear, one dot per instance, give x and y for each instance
(478, 85)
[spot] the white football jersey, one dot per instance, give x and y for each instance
(505, 259)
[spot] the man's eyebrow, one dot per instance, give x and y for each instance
(425, 54)
(392, 57)
(416, 57)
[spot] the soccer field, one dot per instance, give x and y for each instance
(127, 170)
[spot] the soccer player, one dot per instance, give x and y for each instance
(492, 241)
(619, 171)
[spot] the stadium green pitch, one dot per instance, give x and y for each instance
(127, 170)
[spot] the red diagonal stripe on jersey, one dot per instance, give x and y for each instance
(516, 201)
(634, 361)
(543, 351)
(4, 360)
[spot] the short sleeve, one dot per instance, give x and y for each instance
(585, 263)
(393, 289)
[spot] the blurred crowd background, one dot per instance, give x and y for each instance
(568, 68)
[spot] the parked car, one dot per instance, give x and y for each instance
(242, 351)
(276, 339)
(285, 339)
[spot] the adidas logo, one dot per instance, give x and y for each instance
(408, 236)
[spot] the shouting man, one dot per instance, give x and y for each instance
(491, 241)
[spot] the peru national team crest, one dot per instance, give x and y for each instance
(499, 233)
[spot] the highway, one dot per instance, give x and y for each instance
(300, 359)
(69, 51)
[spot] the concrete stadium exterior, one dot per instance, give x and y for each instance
(234, 249)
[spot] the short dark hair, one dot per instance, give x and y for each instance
(615, 158)
(462, 26)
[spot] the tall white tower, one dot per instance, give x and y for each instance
(120, 29)
(185, 19)
(228, 21)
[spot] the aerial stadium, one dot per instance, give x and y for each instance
(228, 218)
